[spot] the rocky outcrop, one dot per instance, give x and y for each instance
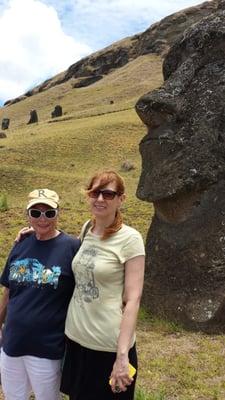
(161, 35)
(87, 81)
(157, 39)
(183, 174)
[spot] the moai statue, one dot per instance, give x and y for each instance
(5, 123)
(33, 117)
(183, 174)
(57, 112)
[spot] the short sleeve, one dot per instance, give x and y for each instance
(4, 278)
(133, 247)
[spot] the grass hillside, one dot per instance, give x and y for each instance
(61, 154)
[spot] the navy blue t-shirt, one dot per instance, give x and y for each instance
(40, 280)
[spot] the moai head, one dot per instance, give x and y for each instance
(57, 112)
(33, 117)
(185, 144)
(5, 123)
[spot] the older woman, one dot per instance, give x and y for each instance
(38, 285)
(100, 324)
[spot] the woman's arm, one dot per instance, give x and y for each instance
(133, 285)
(26, 231)
(3, 306)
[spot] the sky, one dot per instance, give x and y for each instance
(40, 38)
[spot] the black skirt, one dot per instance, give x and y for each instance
(86, 374)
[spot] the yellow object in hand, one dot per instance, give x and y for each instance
(132, 372)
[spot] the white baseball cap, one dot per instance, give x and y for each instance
(43, 196)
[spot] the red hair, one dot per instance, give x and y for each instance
(104, 178)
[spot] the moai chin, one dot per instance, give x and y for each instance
(183, 174)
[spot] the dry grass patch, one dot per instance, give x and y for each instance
(178, 364)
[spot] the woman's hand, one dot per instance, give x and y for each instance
(120, 375)
(23, 233)
(134, 276)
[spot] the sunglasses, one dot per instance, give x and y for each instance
(106, 194)
(34, 213)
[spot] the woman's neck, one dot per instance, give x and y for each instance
(49, 236)
(101, 224)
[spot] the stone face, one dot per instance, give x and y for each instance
(33, 117)
(5, 123)
(183, 174)
(57, 112)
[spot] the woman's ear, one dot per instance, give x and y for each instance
(123, 197)
(26, 215)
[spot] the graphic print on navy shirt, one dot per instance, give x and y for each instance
(40, 281)
(30, 271)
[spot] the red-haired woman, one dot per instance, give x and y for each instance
(101, 319)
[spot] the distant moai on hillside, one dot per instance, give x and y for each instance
(183, 175)
(57, 112)
(5, 123)
(33, 117)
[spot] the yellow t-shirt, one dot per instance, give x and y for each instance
(95, 310)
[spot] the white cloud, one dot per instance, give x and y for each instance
(35, 46)
(100, 22)
(40, 38)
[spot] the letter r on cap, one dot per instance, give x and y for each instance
(41, 193)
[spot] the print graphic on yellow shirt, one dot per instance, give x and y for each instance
(86, 287)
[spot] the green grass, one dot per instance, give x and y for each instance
(3, 202)
(142, 395)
